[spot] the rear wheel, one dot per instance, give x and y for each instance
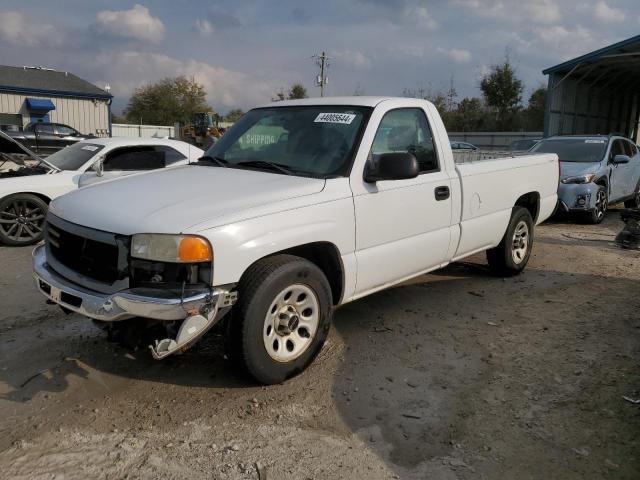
(22, 219)
(602, 203)
(282, 318)
(635, 201)
(512, 254)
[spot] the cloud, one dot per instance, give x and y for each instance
(514, 11)
(223, 20)
(564, 43)
(204, 27)
(352, 58)
(137, 23)
(225, 88)
(419, 15)
(458, 55)
(398, 12)
(300, 16)
(608, 14)
(16, 29)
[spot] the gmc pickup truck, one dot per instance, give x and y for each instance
(300, 207)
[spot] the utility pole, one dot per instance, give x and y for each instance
(322, 61)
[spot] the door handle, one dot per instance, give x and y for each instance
(442, 193)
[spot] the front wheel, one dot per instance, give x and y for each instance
(282, 318)
(602, 203)
(512, 253)
(22, 219)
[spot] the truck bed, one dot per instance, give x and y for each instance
(469, 156)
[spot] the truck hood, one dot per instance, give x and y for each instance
(573, 169)
(172, 200)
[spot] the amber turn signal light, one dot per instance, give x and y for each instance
(194, 249)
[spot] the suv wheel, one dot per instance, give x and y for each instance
(282, 318)
(602, 203)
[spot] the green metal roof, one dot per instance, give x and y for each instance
(630, 45)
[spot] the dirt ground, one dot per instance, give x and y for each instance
(455, 375)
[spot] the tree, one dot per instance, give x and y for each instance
(502, 91)
(441, 100)
(233, 115)
(470, 116)
(115, 118)
(534, 113)
(297, 91)
(168, 101)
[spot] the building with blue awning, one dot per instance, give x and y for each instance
(38, 94)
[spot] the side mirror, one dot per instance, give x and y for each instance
(98, 167)
(618, 159)
(393, 166)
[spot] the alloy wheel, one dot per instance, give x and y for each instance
(22, 220)
(601, 204)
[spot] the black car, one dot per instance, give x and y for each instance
(47, 138)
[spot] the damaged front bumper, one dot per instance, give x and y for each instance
(199, 311)
(577, 197)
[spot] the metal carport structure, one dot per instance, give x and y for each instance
(597, 93)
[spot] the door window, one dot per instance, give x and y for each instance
(171, 155)
(64, 130)
(406, 130)
(134, 159)
(44, 129)
(629, 149)
(616, 149)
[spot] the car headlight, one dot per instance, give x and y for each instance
(588, 178)
(171, 248)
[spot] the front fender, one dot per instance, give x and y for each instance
(238, 245)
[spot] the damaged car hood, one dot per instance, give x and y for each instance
(156, 202)
(573, 169)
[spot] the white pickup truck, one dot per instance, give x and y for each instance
(301, 206)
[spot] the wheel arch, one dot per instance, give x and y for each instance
(530, 201)
(603, 181)
(40, 195)
(326, 256)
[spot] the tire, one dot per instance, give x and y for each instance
(512, 254)
(268, 339)
(596, 215)
(633, 202)
(22, 219)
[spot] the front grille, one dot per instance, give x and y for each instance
(88, 257)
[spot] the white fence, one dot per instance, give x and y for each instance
(492, 140)
(155, 131)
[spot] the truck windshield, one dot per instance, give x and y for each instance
(574, 150)
(316, 141)
(74, 156)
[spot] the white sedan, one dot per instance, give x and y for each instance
(28, 187)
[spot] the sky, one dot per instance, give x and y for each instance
(245, 51)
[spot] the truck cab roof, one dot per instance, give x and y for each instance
(358, 101)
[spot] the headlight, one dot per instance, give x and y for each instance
(588, 178)
(171, 248)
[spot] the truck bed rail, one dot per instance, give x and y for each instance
(470, 156)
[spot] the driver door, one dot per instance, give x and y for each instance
(403, 226)
(618, 178)
(125, 161)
